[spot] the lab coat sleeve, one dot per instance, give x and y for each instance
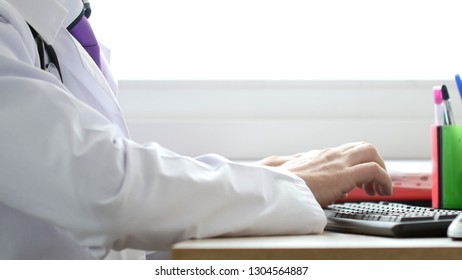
(60, 160)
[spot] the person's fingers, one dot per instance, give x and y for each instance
(274, 160)
(348, 146)
(369, 188)
(363, 153)
(374, 188)
(385, 190)
(373, 177)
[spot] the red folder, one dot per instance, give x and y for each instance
(399, 194)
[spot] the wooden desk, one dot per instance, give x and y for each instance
(327, 246)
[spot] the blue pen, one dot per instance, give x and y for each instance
(459, 85)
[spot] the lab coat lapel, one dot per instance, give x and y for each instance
(86, 81)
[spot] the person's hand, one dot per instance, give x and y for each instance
(332, 173)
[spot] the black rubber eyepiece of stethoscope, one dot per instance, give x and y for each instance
(86, 10)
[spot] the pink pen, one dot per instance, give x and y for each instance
(439, 108)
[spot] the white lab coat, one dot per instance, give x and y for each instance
(72, 183)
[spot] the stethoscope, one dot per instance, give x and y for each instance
(42, 47)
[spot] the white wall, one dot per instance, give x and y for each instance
(281, 39)
(250, 78)
(252, 119)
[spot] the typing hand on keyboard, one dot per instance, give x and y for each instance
(389, 219)
(332, 173)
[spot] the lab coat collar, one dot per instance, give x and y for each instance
(48, 16)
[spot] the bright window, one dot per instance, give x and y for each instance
(281, 39)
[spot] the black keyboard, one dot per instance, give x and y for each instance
(389, 219)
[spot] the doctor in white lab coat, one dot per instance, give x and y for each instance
(74, 186)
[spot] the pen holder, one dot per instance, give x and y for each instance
(446, 143)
